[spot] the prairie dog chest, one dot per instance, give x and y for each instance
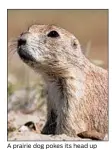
(55, 97)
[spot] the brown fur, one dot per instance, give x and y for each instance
(77, 89)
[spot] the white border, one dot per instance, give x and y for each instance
(43, 4)
(49, 4)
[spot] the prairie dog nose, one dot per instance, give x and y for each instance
(23, 39)
(21, 42)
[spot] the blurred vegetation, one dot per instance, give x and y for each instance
(10, 89)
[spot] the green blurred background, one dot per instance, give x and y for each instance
(89, 26)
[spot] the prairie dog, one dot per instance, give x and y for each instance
(77, 89)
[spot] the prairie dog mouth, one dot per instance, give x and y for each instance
(22, 48)
(24, 55)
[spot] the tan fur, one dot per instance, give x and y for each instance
(77, 89)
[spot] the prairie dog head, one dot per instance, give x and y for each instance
(48, 48)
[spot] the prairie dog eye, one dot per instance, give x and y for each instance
(53, 34)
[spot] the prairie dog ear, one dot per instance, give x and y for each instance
(75, 43)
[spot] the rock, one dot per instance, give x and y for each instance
(18, 118)
(20, 136)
